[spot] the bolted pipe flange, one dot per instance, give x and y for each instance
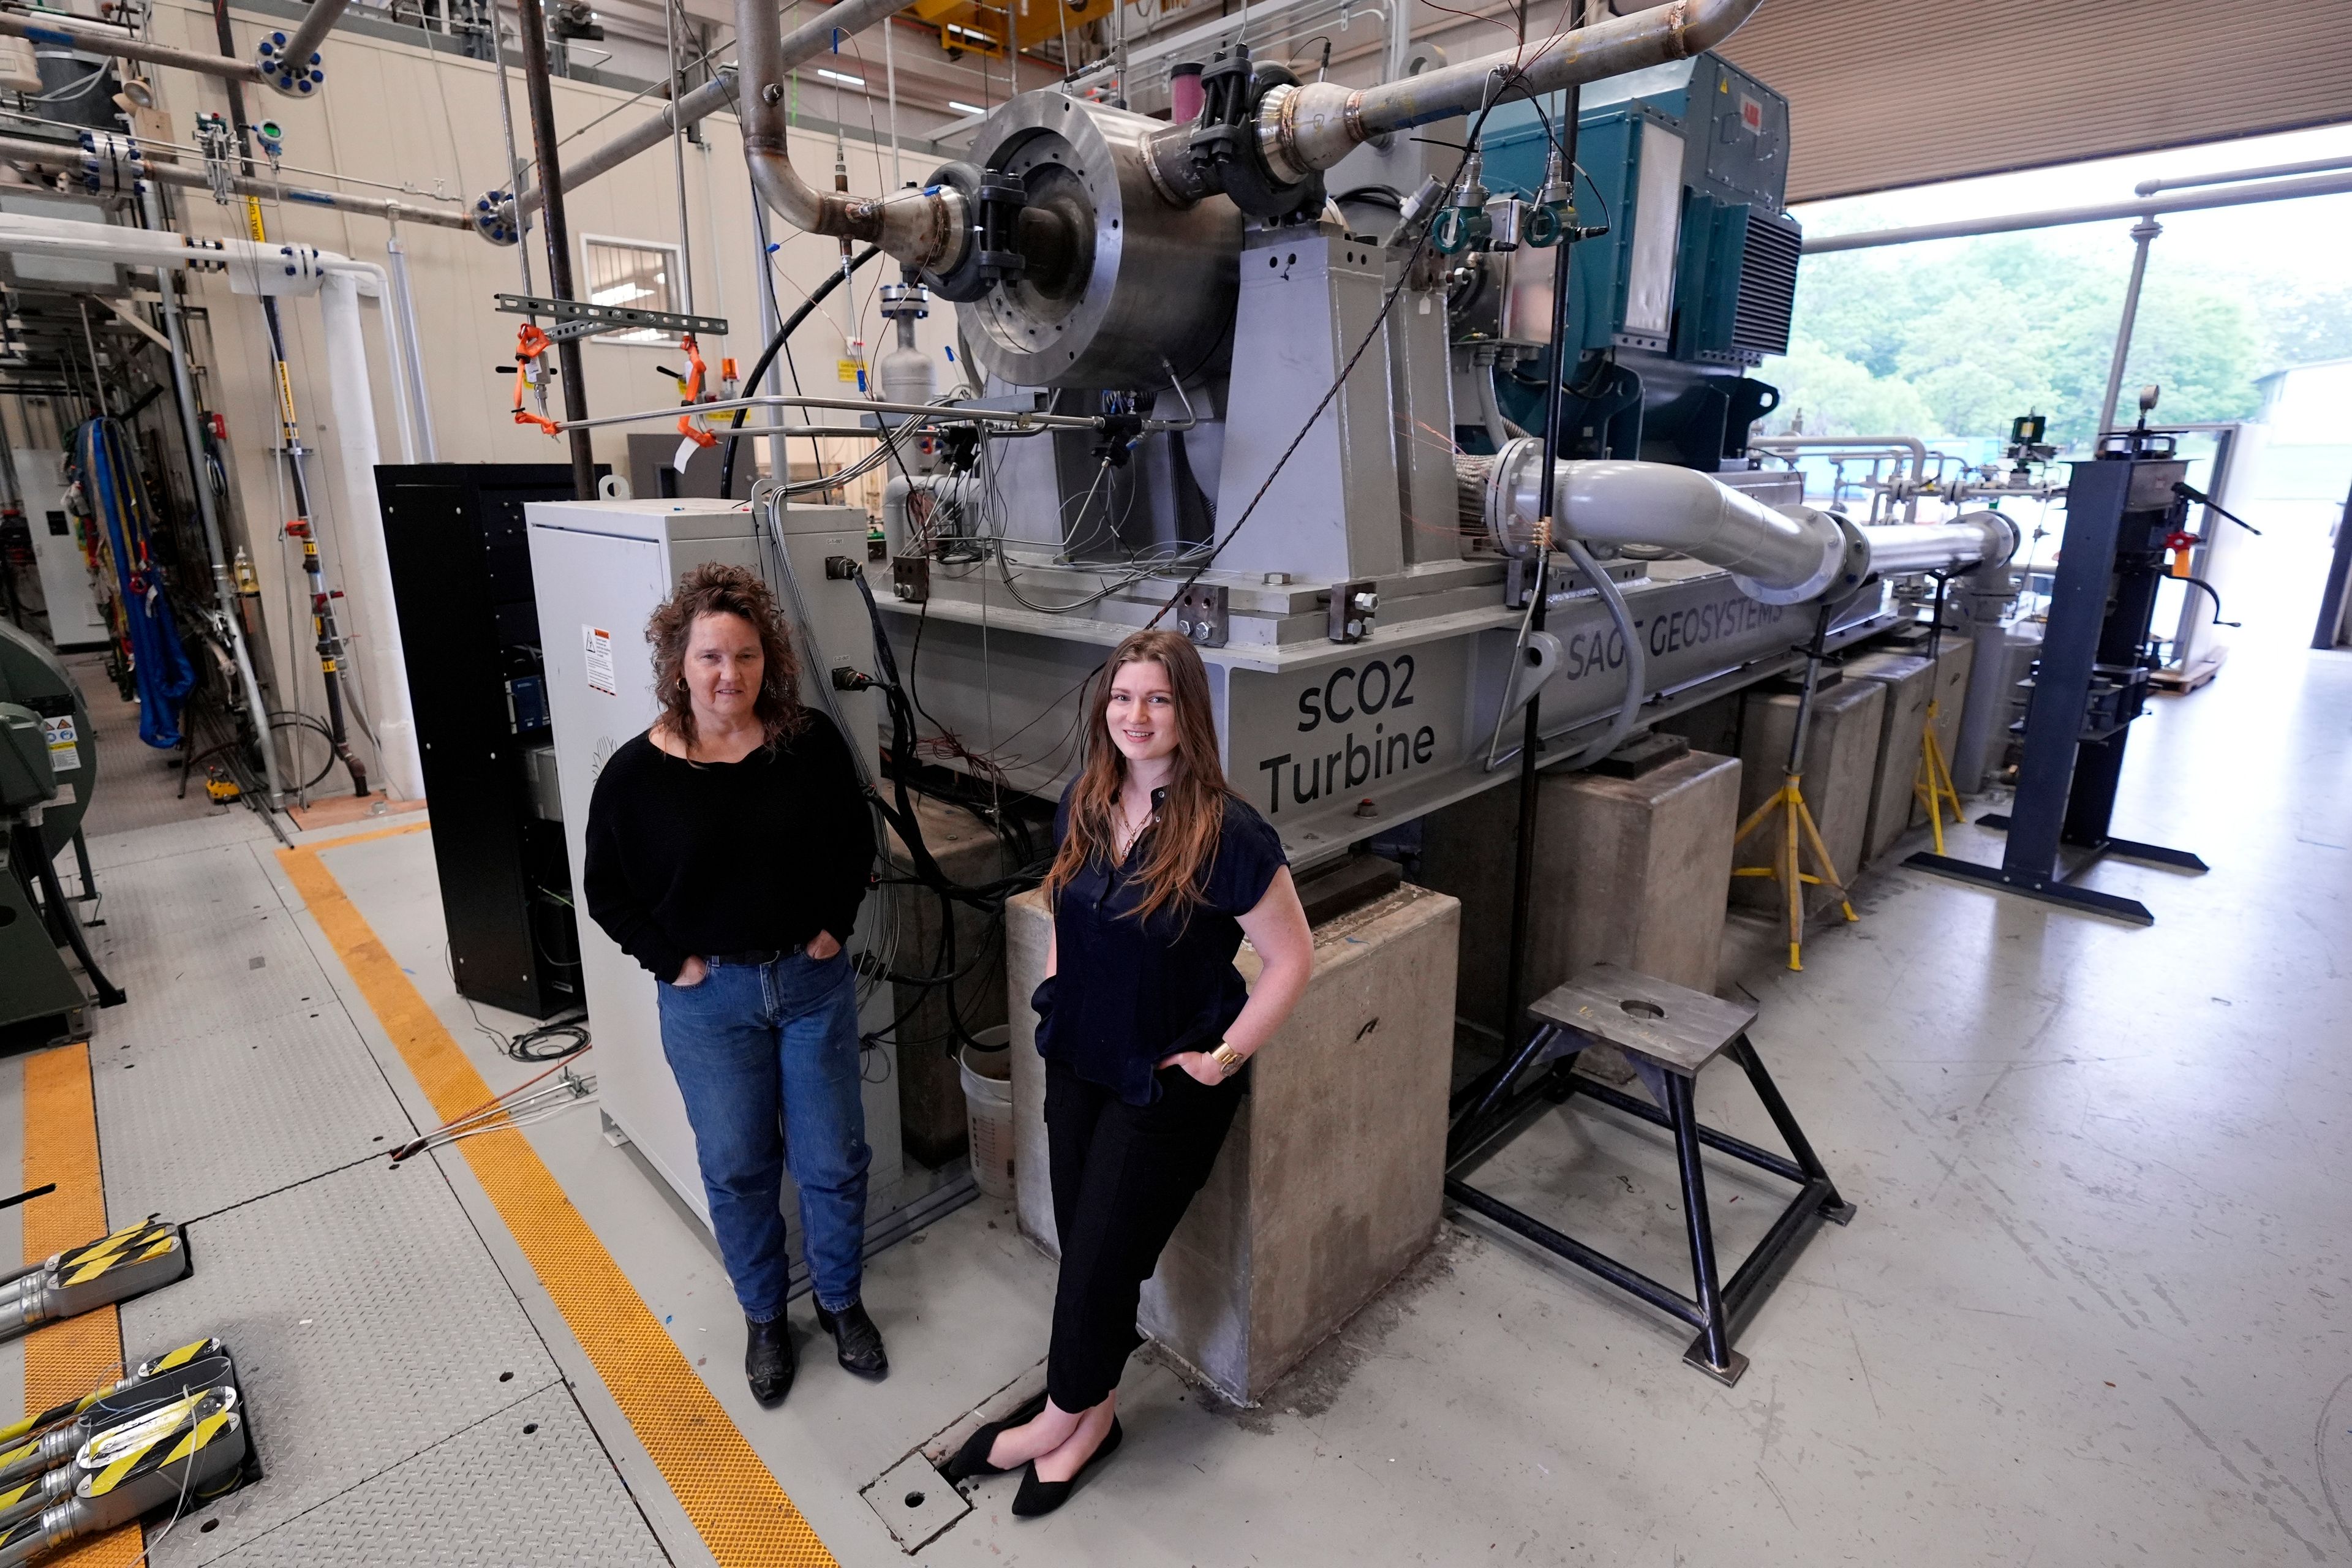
(493, 217)
(284, 73)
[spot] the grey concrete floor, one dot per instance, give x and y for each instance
(2088, 1313)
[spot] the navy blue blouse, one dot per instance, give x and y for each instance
(1126, 992)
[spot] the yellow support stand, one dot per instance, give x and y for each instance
(1932, 786)
(1798, 835)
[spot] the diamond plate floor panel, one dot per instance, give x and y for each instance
(132, 847)
(201, 935)
(299, 1091)
(369, 1323)
(529, 1485)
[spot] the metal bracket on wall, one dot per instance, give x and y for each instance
(576, 318)
(1202, 614)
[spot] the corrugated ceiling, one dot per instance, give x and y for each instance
(1897, 92)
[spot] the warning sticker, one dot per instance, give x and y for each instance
(1751, 114)
(598, 643)
(65, 756)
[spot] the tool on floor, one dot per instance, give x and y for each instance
(1668, 1033)
(170, 1439)
(133, 1261)
(1799, 834)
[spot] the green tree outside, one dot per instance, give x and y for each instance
(1955, 338)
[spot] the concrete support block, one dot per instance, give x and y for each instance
(1839, 762)
(1628, 871)
(930, 1091)
(1954, 666)
(1902, 728)
(1910, 678)
(1331, 1180)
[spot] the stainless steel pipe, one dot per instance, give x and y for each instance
(45, 28)
(312, 32)
(55, 155)
(1321, 122)
(1971, 539)
(912, 228)
(1786, 555)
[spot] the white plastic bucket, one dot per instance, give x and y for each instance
(987, 1110)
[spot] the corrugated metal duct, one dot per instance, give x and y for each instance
(1895, 92)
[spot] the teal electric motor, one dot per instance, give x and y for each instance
(1692, 286)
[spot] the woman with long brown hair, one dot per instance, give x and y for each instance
(1160, 872)
(728, 849)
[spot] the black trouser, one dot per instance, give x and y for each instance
(1123, 1175)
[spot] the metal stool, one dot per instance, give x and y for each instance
(1668, 1033)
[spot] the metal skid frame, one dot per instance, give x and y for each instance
(1720, 1307)
(2057, 886)
(2089, 685)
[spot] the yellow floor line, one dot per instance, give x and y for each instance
(66, 1359)
(743, 1515)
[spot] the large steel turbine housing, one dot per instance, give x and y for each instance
(1119, 285)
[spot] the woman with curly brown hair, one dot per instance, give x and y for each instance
(728, 849)
(1160, 870)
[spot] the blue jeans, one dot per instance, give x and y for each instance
(766, 1057)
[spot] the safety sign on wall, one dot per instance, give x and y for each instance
(598, 644)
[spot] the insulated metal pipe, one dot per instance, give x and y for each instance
(46, 28)
(2272, 172)
(698, 105)
(923, 230)
(1911, 444)
(2060, 218)
(316, 22)
(119, 170)
(1796, 553)
(2143, 233)
(1321, 122)
(1971, 539)
(805, 42)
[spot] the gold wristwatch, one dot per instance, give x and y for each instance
(1229, 1060)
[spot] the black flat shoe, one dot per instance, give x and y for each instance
(856, 1342)
(1036, 1496)
(972, 1460)
(769, 1360)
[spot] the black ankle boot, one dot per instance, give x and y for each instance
(769, 1359)
(855, 1338)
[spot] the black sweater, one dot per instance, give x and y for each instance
(703, 858)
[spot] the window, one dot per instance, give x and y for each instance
(637, 273)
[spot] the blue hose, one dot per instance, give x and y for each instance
(117, 501)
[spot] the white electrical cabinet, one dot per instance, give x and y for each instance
(600, 570)
(75, 620)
